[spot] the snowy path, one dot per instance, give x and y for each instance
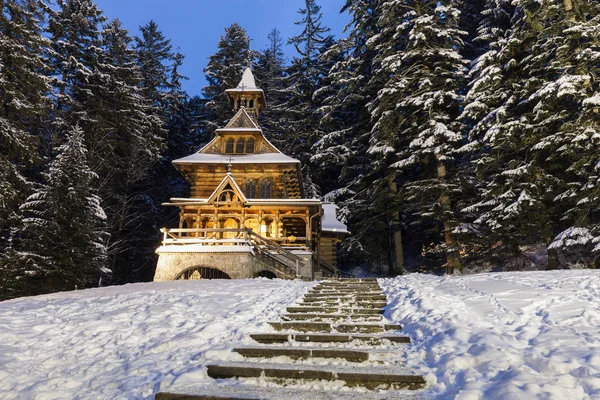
(530, 335)
(122, 342)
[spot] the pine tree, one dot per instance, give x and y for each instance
(270, 74)
(74, 30)
(62, 245)
(24, 104)
(154, 53)
(415, 134)
(538, 126)
(132, 140)
(223, 72)
(304, 76)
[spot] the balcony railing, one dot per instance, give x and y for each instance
(224, 236)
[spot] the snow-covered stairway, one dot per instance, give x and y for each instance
(335, 337)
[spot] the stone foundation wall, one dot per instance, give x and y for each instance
(236, 265)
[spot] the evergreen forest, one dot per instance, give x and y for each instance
(456, 136)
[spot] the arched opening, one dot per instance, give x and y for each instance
(250, 146)
(251, 105)
(230, 223)
(229, 146)
(239, 104)
(265, 189)
(250, 190)
(207, 223)
(265, 274)
(239, 146)
(196, 273)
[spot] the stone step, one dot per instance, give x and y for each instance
(344, 298)
(369, 379)
(330, 317)
(340, 294)
(327, 327)
(338, 302)
(224, 390)
(302, 353)
(366, 328)
(335, 310)
(269, 338)
(182, 396)
(302, 326)
(358, 286)
(335, 280)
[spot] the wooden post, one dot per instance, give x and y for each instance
(569, 14)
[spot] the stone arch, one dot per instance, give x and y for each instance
(200, 272)
(265, 274)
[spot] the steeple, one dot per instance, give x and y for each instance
(247, 95)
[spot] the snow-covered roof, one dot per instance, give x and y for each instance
(247, 80)
(211, 158)
(258, 130)
(329, 221)
(175, 201)
(247, 83)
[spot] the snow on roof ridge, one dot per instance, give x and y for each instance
(247, 81)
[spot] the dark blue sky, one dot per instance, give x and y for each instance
(194, 26)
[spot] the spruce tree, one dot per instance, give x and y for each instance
(223, 72)
(304, 76)
(63, 243)
(415, 133)
(24, 104)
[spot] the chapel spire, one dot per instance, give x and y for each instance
(247, 95)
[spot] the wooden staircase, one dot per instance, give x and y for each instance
(340, 321)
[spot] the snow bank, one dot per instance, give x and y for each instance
(525, 335)
(127, 342)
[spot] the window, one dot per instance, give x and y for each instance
(229, 146)
(251, 190)
(250, 145)
(251, 103)
(265, 190)
(239, 146)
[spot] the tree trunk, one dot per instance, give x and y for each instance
(396, 232)
(452, 256)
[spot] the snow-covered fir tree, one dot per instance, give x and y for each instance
(304, 76)
(223, 72)
(24, 104)
(415, 133)
(63, 243)
(340, 160)
(533, 124)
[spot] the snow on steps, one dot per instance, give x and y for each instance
(292, 362)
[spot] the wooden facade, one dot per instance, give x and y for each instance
(240, 182)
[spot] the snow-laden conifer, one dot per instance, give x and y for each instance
(63, 244)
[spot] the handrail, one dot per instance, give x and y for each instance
(275, 247)
(330, 268)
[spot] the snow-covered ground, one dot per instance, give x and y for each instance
(521, 335)
(125, 342)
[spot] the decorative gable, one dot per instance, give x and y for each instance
(228, 193)
(242, 120)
